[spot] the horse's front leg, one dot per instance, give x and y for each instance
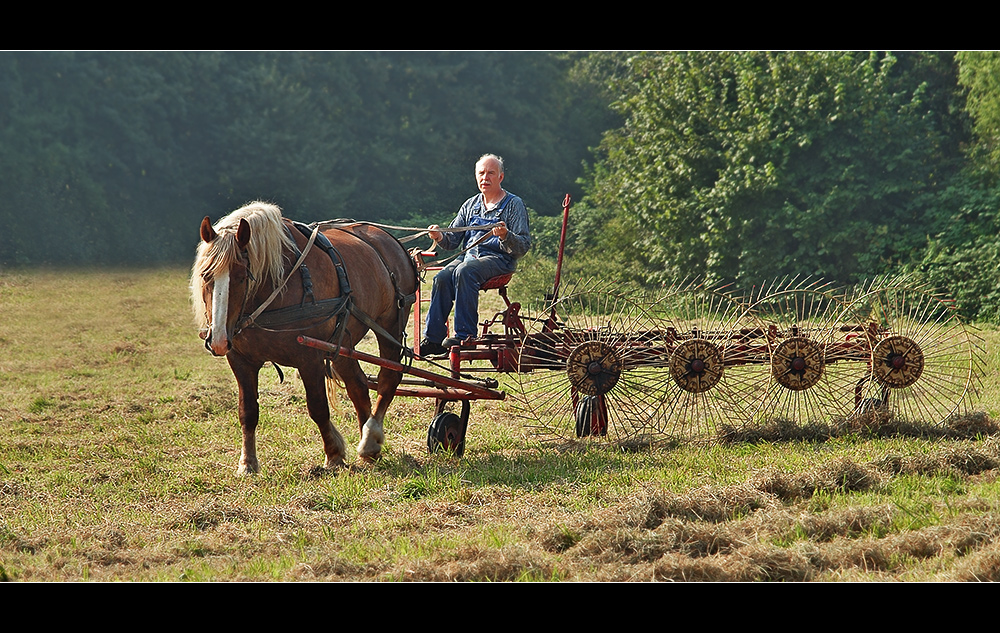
(247, 375)
(314, 380)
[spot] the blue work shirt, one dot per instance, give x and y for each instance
(511, 211)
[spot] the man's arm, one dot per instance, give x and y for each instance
(450, 241)
(517, 240)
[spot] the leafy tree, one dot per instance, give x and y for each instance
(749, 166)
(111, 157)
(962, 257)
(979, 74)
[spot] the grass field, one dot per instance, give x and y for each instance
(119, 440)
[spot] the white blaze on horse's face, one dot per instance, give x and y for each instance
(218, 291)
(218, 336)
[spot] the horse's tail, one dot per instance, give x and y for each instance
(333, 386)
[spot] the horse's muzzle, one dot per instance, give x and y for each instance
(208, 344)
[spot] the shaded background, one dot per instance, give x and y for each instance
(740, 166)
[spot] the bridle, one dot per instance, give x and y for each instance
(243, 258)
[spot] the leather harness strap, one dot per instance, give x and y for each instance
(327, 308)
(250, 320)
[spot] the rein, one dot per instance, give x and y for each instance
(409, 238)
(335, 307)
(418, 261)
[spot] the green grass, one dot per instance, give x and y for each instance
(119, 440)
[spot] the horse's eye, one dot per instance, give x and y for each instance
(238, 274)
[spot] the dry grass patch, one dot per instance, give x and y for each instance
(120, 438)
(969, 426)
(981, 566)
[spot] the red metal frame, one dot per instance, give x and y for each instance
(503, 350)
(434, 385)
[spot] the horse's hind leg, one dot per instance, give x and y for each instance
(314, 379)
(356, 383)
(373, 431)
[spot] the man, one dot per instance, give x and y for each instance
(457, 284)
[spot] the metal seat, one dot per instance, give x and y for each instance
(496, 282)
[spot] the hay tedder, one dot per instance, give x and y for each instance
(692, 360)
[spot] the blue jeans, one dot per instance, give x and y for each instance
(457, 284)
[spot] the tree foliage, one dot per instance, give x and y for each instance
(748, 166)
(111, 157)
(963, 251)
(742, 166)
(979, 74)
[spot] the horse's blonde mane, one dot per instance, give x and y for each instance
(268, 239)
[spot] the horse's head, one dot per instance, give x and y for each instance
(241, 255)
(225, 279)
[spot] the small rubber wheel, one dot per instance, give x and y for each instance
(446, 433)
(591, 416)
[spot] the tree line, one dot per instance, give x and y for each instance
(112, 157)
(751, 166)
(728, 166)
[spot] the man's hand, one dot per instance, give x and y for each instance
(500, 231)
(434, 233)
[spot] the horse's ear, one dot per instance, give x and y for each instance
(207, 232)
(243, 234)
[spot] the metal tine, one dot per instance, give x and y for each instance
(826, 308)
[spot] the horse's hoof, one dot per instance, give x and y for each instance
(335, 464)
(372, 438)
(370, 457)
(247, 467)
(318, 472)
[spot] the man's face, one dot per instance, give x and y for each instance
(488, 175)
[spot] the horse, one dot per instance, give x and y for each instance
(253, 259)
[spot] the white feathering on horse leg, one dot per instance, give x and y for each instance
(372, 437)
(248, 460)
(336, 460)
